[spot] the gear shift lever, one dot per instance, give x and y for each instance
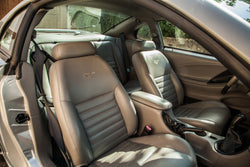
(237, 119)
(232, 140)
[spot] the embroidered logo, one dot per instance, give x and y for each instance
(156, 61)
(89, 75)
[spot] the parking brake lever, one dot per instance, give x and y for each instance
(178, 127)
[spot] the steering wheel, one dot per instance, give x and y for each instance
(229, 84)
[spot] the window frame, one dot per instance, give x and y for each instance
(6, 53)
(179, 48)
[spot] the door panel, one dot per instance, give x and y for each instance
(11, 132)
(201, 75)
(24, 142)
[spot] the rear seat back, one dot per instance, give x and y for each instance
(112, 55)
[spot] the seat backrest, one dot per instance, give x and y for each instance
(110, 52)
(93, 110)
(107, 50)
(155, 73)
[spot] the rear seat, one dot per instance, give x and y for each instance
(110, 52)
(112, 55)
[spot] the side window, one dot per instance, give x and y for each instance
(144, 33)
(9, 36)
(174, 37)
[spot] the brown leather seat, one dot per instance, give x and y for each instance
(109, 51)
(97, 118)
(157, 77)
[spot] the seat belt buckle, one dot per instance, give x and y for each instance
(147, 130)
(128, 70)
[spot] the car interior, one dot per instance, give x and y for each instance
(115, 97)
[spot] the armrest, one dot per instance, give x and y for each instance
(151, 100)
(150, 110)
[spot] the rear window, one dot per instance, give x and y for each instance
(72, 17)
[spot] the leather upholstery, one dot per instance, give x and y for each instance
(211, 115)
(95, 114)
(154, 73)
(108, 50)
(138, 45)
(62, 51)
(157, 77)
(132, 86)
(147, 152)
(110, 53)
(151, 100)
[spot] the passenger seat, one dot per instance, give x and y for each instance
(157, 77)
(110, 52)
(97, 118)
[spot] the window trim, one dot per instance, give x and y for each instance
(6, 53)
(181, 49)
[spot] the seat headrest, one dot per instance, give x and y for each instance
(72, 50)
(137, 46)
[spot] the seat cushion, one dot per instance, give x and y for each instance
(155, 150)
(210, 115)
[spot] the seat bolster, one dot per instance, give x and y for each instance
(127, 109)
(178, 87)
(166, 141)
(75, 140)
(146, 81)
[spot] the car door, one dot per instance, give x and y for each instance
(202, 75)
(22, 129)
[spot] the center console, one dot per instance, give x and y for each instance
(211, 149)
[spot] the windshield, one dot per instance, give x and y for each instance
(73, 17)
(239, 7)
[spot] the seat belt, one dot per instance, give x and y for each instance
(39, 57)
(125, 55)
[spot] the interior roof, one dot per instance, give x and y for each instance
(127, 7)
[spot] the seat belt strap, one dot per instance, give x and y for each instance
(39, 58)
(125, 53)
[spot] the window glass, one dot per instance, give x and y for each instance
(74, 17)
(144, 33)
(175, 38)
(9, 36)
